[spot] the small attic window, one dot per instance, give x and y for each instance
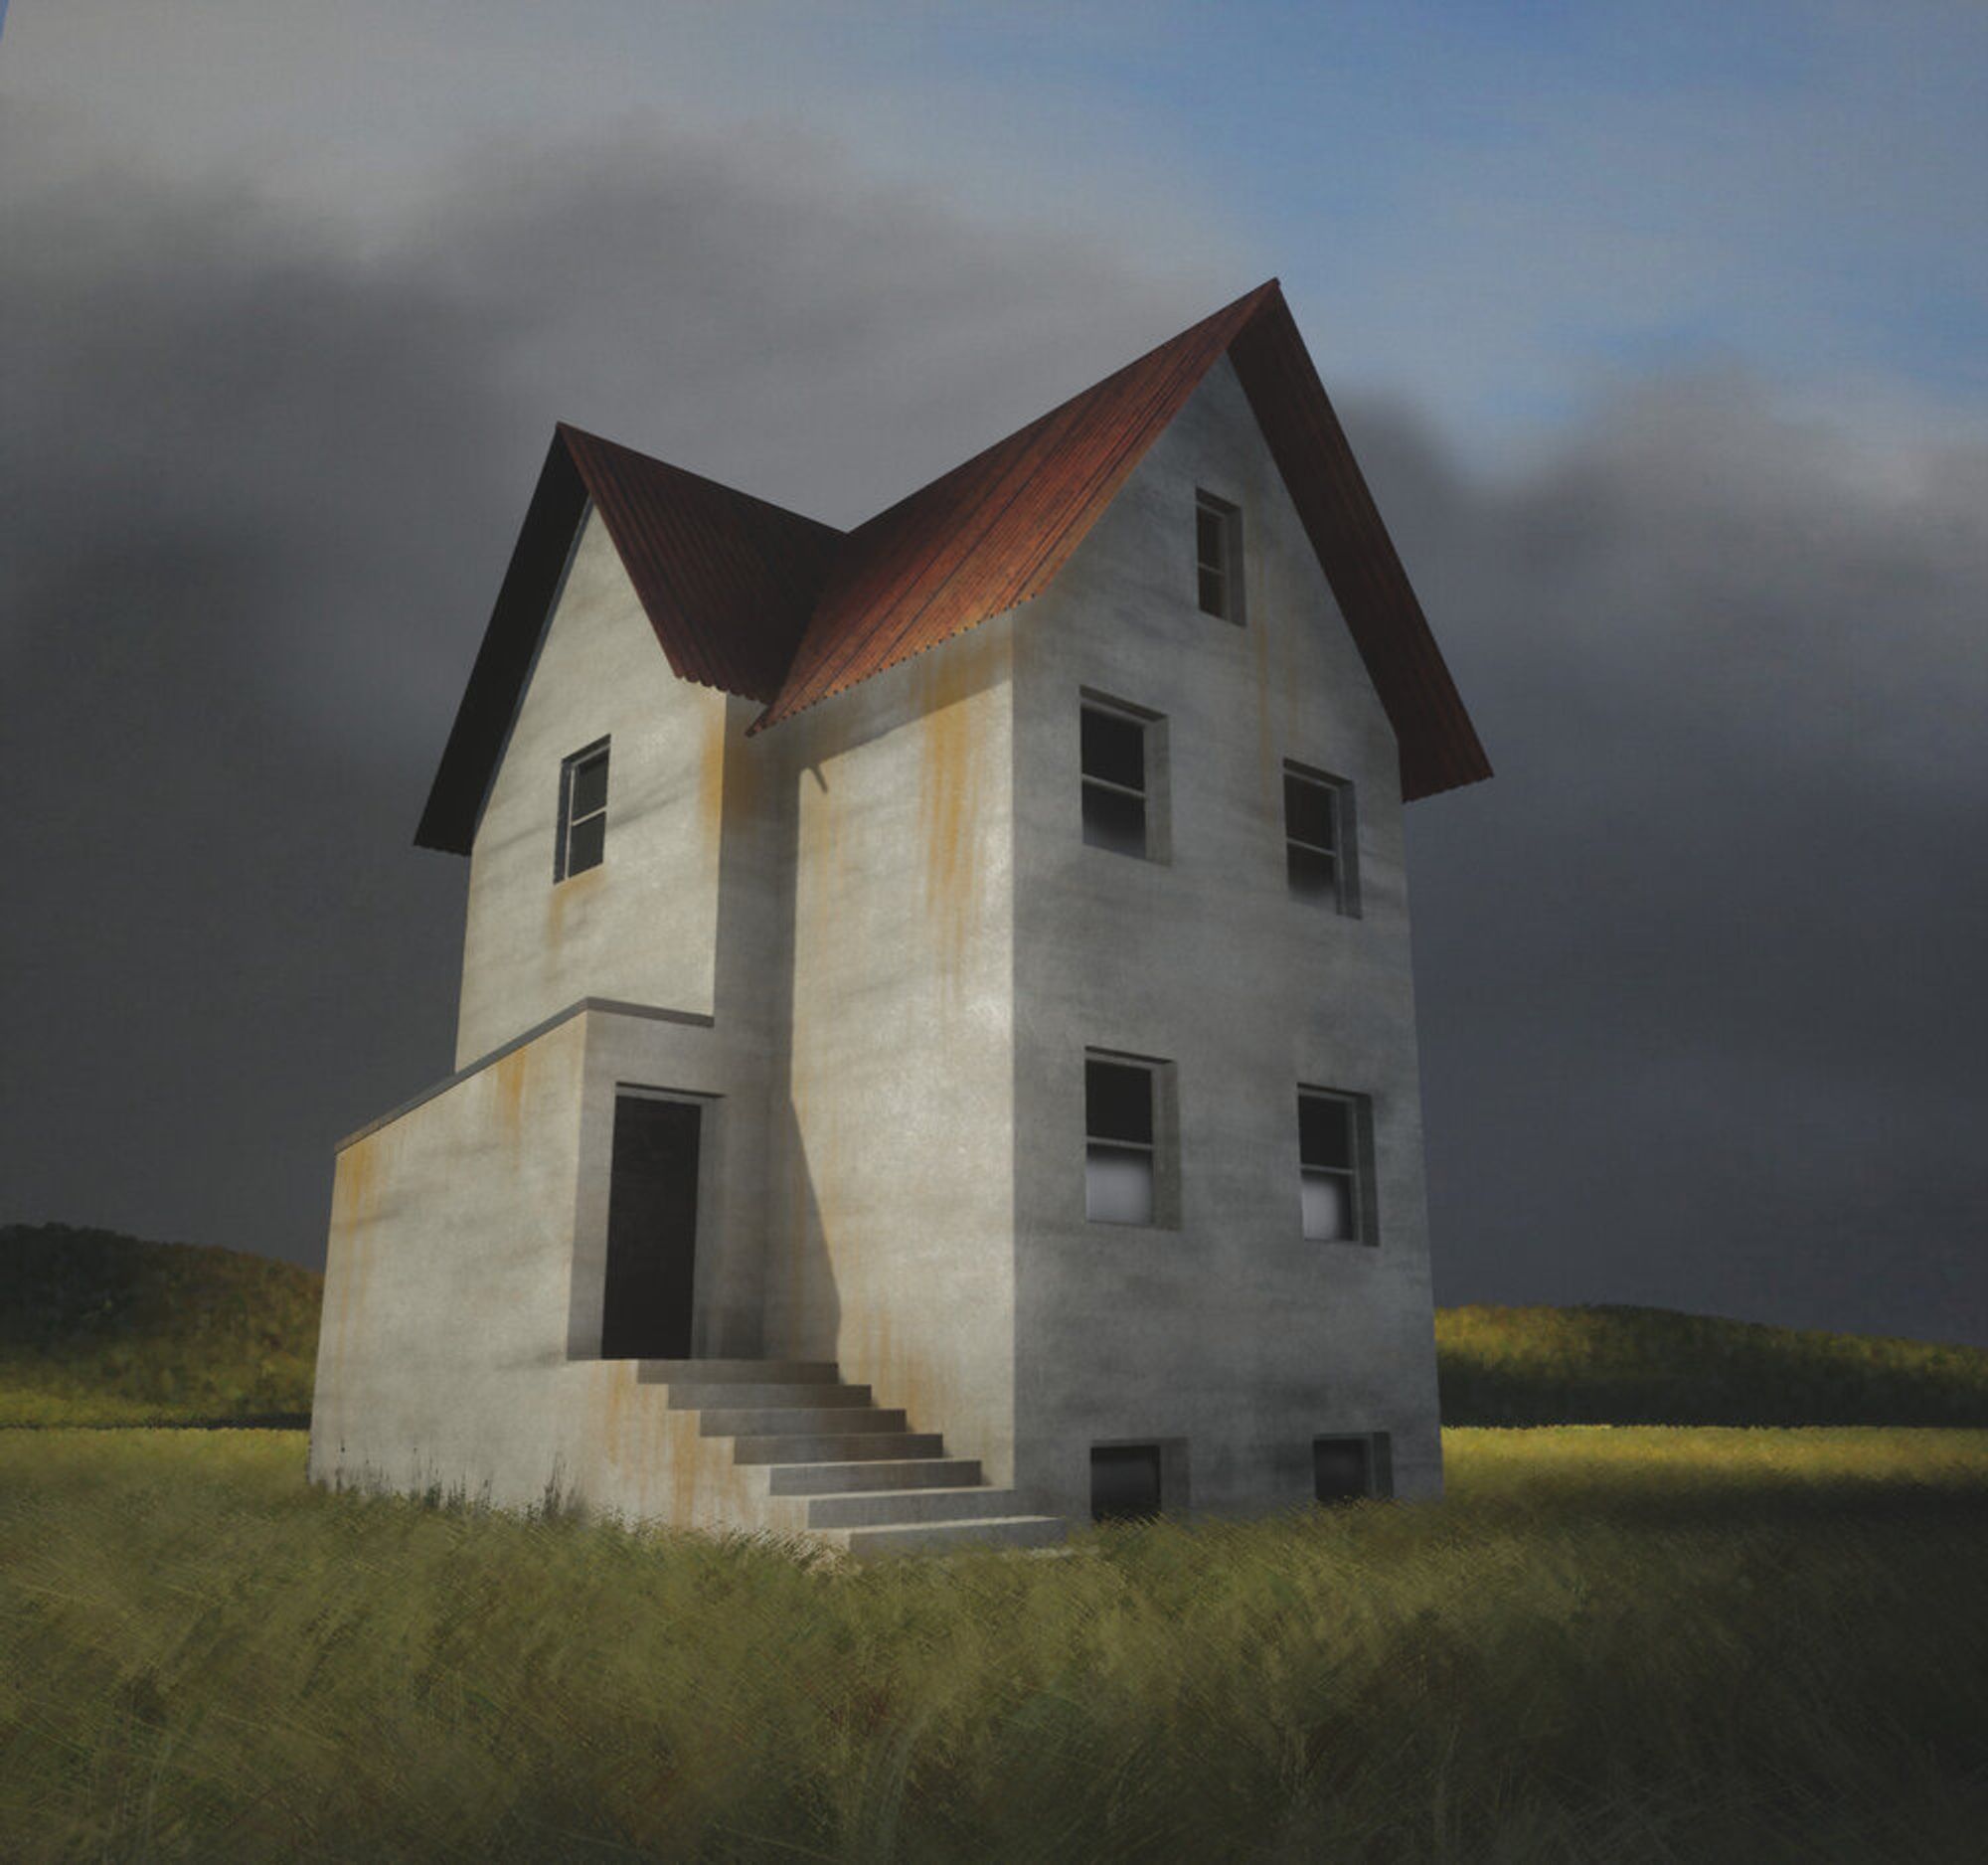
(583, 812)
(1217, 553)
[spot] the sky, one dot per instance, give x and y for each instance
(1660, 331)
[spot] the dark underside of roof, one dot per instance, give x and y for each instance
(761, 602)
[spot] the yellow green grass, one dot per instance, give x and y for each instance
(100, 1328)
(1613, 1365)
(1604, 1645)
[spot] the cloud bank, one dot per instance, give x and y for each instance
(1698, 971)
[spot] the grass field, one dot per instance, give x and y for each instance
(1604, 1645)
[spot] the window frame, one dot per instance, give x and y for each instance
(1378, 1472)
(1160, 1151)
(1358, 1174)
(1151, 795)
(570, 771)
(1343, 854)
(1227, 517)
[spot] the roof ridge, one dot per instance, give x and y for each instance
(846, 645)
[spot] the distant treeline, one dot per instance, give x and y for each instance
(98, 1328)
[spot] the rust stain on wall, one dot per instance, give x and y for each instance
(509, 1081)
(951, 798)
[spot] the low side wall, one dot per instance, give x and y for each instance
(453, 1352)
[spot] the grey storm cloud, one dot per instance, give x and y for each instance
(1698, 970)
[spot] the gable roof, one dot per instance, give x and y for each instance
(763, 602)
(725, 580)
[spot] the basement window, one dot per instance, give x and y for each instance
(1319, 839)
(583, 812)
(1125, 1482)
(1343, 1469)
(1217, 553)
(1117, 755)
(1123, 1180)
(1336, 1166)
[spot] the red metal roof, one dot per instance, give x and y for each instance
(993, 532)
(726, 581)
(763, 602)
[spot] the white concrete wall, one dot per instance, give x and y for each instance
(461, 1332)
(642, 926)
(1230, 1333)
(891, 1244)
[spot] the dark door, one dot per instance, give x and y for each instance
(651, 1230)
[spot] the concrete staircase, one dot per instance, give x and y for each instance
(842, 1469)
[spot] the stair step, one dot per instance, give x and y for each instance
(836, 1447)
(796, 1420)
(765, 1372)
(1002, 1531)
(836, 1480)
(697, 1393)
(870, 1508)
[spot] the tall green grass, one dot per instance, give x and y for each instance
(1603, 1645)
(98, 1328)
(1612, 1365)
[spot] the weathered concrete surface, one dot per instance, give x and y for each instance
(1230, 1333)
(892, 1247)
(464, 1275)
(896, 948)
(643, 928)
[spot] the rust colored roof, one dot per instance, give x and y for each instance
(763, 602)
(726, 581)
(993, 532)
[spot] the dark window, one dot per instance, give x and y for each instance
(1318, 838)
(1115, 780)
(1218, 555)
(583, 817)
(1345, 1469)
(1125, 1482)
(1119, 1149)
(1334, 1144)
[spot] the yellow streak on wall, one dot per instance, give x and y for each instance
(509, 1081)
(819, 933)
(950, 798)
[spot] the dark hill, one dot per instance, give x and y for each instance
(98, 1328)
(1612, 1365)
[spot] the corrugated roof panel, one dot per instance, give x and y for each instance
(760, 601)
(994, 531)
(726, 581)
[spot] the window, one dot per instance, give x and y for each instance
(582, 815)
(1115, 793)
(1125, 1482)
(1345, 1469)
(1319, 839)
(1217, 553)
(1119, 1152)
(1335, 1166)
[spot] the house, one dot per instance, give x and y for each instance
(937, 1053)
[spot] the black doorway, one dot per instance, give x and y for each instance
(651, 1230)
